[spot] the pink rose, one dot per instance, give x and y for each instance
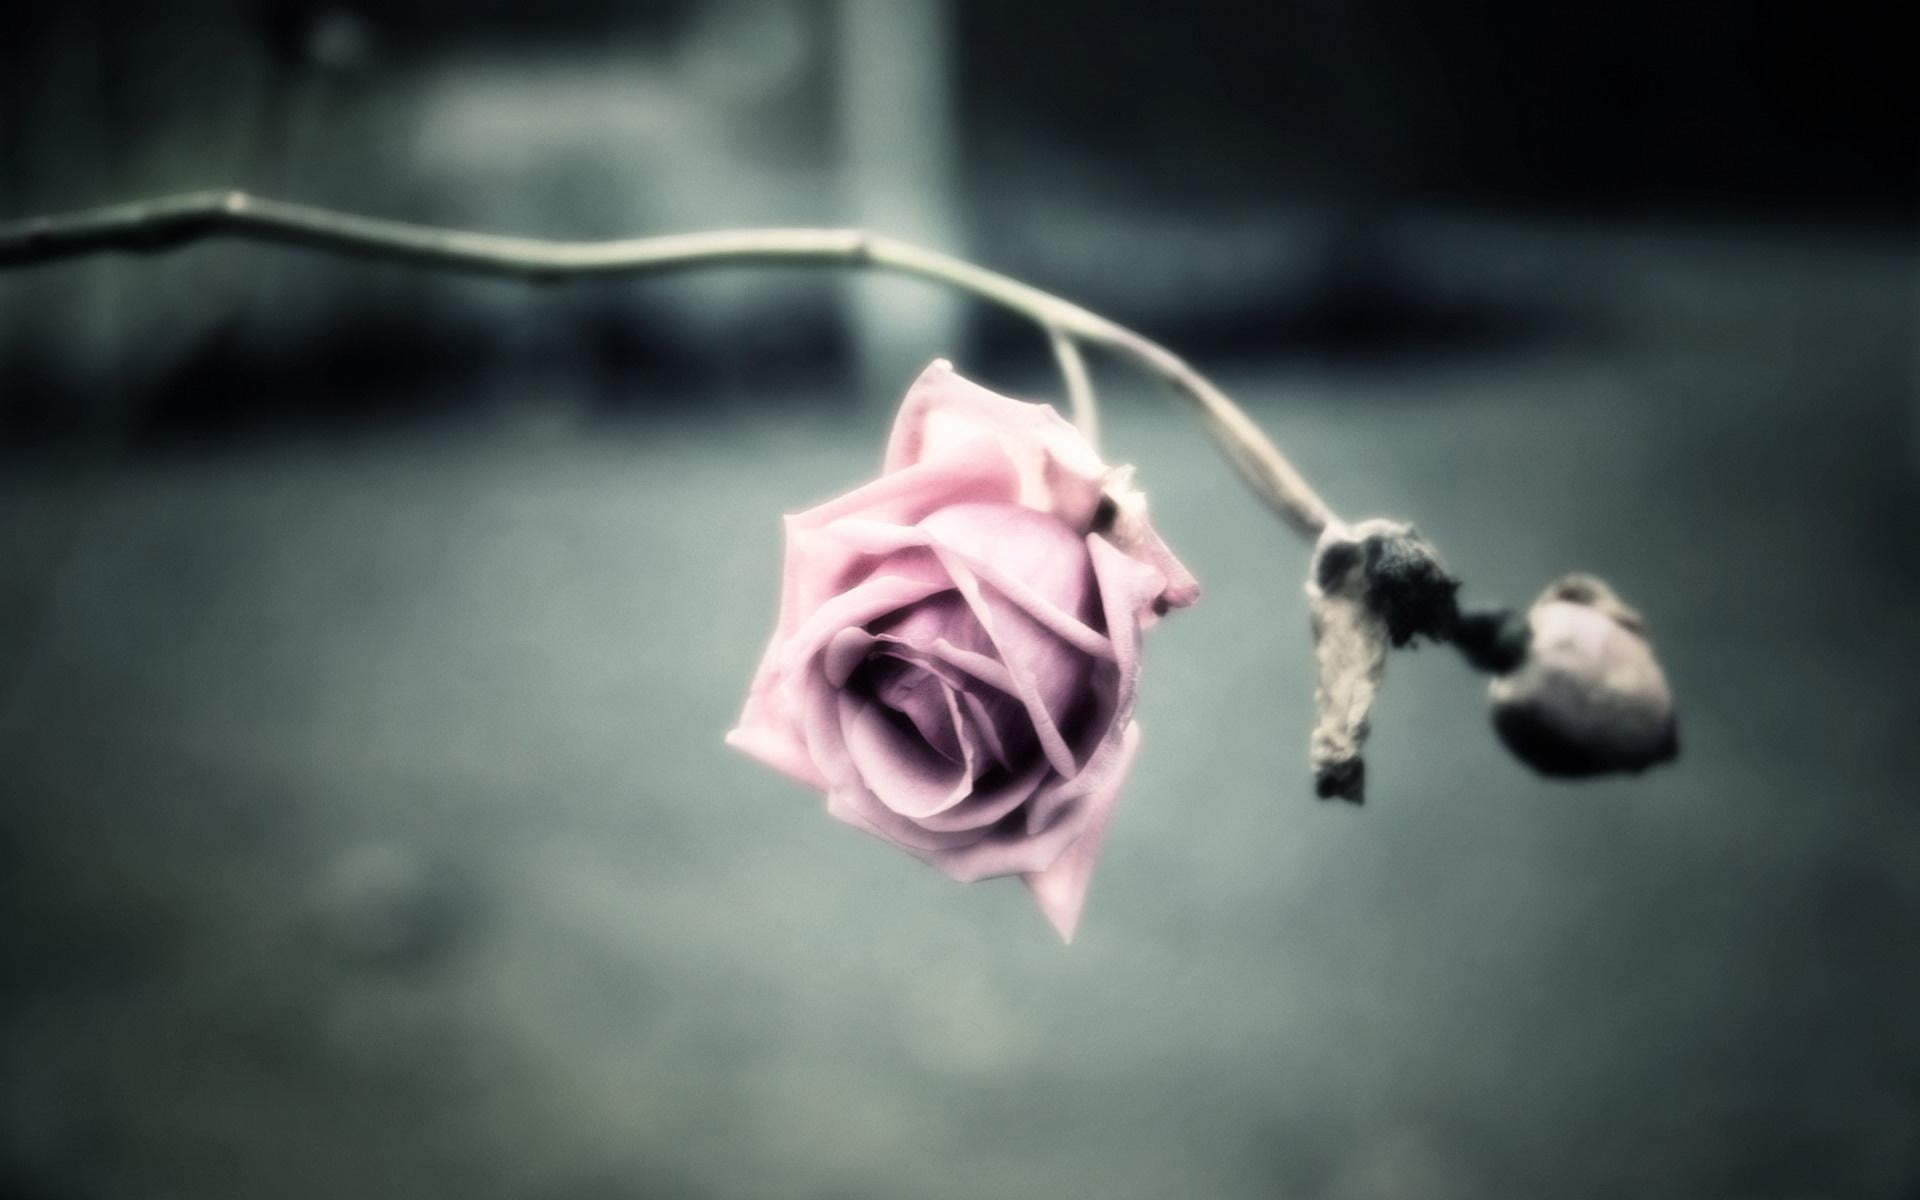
(959, 643)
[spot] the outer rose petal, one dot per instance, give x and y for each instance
(1061, 889)
(819, 560)
(1037, 570)
(1059, 472)
(1132, 533)
(1127, 589)
(771, 726)
(1035, 561)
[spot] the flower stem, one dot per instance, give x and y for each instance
(170, 221)
(1079, 384)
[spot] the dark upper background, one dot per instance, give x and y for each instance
(366, 634)
(1253, 179)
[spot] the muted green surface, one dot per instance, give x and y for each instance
(367, 829)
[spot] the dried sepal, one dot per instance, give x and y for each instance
(1371, 587)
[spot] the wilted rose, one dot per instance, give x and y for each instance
(958, 644)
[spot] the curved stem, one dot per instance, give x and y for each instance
(1079, 384)
(171, 221)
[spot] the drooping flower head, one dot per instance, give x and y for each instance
(958, 646)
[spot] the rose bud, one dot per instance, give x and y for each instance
(1589, 697)
(958, 644)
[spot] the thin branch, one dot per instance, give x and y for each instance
(168, 222)
(1079, 384)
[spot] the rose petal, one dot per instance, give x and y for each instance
(777, 747)
(1105, 759)
(1036, 662)
(1022, 554)
(1127, 588)
(1061, 624)
(930, 628)
(990, 717)
(991, 705)
(988, 806)
(982, 726)
(935, 626)
(975, 469)
(904, 773)
(1178, 588)
(818, 566)
(1059, 472)
(903, 581)
(1004, 851)
(848, 797)
(956, 619)
(918, 690)
(1037, 561)
(769, 725)
(1131, 531)
(772, 726)
(1060, 889)
(983, 667)
(926, 698)
(1057, 862)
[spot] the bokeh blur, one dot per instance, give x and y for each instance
(367, 634)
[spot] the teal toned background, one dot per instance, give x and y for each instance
(368, 636)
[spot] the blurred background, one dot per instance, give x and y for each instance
(367, 634)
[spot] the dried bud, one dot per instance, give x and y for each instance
(1589, 698)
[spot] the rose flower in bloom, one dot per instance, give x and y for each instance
(958, 644)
